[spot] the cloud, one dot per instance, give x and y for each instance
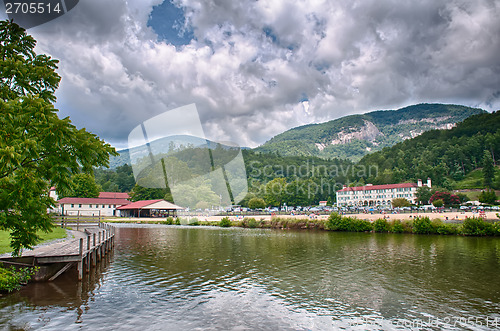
(252, 64)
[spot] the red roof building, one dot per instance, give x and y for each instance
(378, 195)
(149, 208)
(90, 206)
(114, 195)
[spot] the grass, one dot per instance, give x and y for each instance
(474, 180)
(56, 233)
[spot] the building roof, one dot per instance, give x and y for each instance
(150, 204)
(97, 201)
(114, 195)
(378, 187)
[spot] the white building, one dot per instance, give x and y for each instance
(91, 206)
(378, 195)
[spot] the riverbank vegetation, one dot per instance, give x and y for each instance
(337, 222)
(13, 278)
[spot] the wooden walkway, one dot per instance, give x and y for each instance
(85, 251)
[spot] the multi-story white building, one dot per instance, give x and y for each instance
(378, 195)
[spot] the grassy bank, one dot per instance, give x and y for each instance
(56, 233)
(336, 222)
(13, 278)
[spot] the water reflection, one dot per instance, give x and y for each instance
(214, 278)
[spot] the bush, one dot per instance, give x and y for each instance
(477, 227)
(177, 221)
(251, 222)
(422, 225)
(338, 223)
(438, 203)
(12, 279)
(335, 223)
(397, 227)
(225, 222)
(381, 225)
(443, 228)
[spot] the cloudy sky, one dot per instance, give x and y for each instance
(257, 68)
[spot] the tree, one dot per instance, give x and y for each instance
(488, 197)
(275, 192)
(400, 202)
(37, 149)
(448, 198)
(423, 195)
(488, 169)
(438, 203)
(255, 203)
(82, 186)
(143, 193)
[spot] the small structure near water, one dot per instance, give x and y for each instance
(149, 208)
(53, 260)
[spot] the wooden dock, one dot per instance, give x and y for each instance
(85, 250)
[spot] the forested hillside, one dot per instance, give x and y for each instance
(358, 135)
(446, 156)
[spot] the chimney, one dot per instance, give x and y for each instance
(429, 184)
(419, 183)
(344, 186)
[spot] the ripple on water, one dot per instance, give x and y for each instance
(197, 278)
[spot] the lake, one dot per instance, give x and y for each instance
(208, 278)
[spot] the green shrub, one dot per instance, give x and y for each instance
(338, 223)
(251, 223)
(381, 225)
(335, 223)
(443, 228)
(12, 279)
(496, 228)
(397, 227)
(477, 227)
(177, 221)
(422, 225)
(169, 220)
(225, 222)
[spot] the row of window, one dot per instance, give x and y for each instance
(90, 206)
(403, 189)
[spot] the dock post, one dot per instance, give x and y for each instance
(88, 253)
(80, 263)
(94, 257)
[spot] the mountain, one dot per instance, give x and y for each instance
(446, 156)
(163, 145)
(354, 136)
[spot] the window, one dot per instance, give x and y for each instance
(109, 206)
(103, 206)
(72, 205)
(90, 206)
(80, 205)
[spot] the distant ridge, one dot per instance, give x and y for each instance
(354, 136)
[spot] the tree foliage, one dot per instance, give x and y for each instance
(488, 196)
(37, 149)
(400, 202)
(488, 169)
(81, 186)
(255, 203)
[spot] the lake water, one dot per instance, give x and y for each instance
(188, 278)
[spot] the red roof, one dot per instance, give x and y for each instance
(113, 195)
(97, 201)
(378, 187)
(139, 204)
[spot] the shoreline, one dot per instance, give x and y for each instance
(451, 217)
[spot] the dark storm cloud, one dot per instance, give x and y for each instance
(256, 68)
